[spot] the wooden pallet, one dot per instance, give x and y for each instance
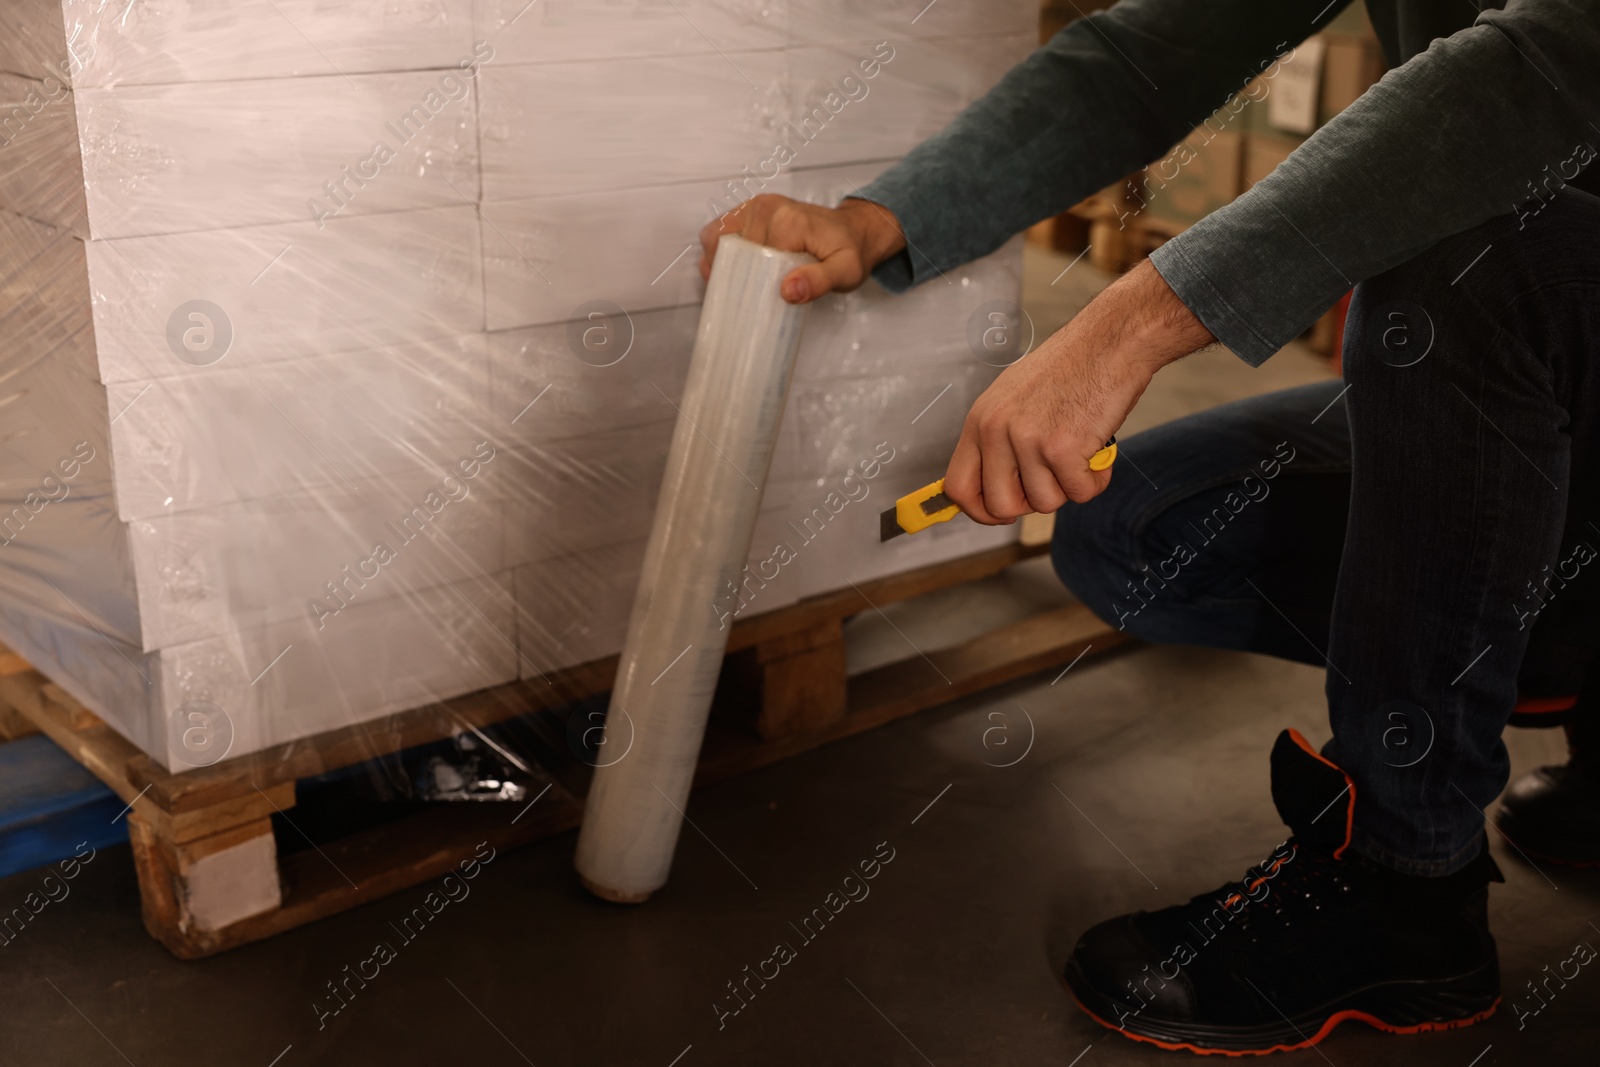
(212, 875)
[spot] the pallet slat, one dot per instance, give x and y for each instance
(913, 684)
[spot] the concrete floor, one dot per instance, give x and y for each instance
(1015, 820)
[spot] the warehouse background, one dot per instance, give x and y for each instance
(398, 239)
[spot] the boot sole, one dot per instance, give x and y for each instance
(1393, 1007)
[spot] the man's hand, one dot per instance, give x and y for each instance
(848, 241)
(1026, 443)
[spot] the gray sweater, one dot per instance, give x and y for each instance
(1482, 114)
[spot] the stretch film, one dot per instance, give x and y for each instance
(338, 368)
(705, 517)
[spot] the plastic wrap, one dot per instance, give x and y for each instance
(847, 20)
(614, 29)
(613, 134)
(918, 87)
(340, 339)
(106, 42)
(722, 448)
(287, 291)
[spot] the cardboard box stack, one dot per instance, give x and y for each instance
(343, 336)
(1257, 129)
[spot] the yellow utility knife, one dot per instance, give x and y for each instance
(928, 506)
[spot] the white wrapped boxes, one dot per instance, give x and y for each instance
(340, 340)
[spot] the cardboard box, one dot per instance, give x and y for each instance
(1354, 64)
(1292, 103)
(92, 43)
(306, 149)
(914, 94)
(290, 290)
(219, 436)
(623, 123)
(599, 373)
(289, 679)
(1248, 108)
(255, 563)
(543, 32)
(849, 21)
(547, 259)
(1198, 176)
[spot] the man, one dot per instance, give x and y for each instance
(1420, 530)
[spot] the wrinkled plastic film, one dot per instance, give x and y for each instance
(191, 507)
(705, 518)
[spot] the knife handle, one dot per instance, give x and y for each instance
(929, 506)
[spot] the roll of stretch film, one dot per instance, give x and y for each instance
(705, 517)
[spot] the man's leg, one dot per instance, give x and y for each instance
(1194, 544)
(1472, 413)
(1471, 429)
(1222, 529)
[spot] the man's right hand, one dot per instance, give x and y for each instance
(847, 241)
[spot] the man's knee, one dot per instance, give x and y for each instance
(1394, 316)
(1080, 553)
(1096, 555)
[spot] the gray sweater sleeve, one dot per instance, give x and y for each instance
(1108, 94)
(1479, 125)
(1455, 136)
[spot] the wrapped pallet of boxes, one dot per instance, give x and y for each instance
(343, 337)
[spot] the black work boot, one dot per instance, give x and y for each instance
(1553, 813)
(1314, 936)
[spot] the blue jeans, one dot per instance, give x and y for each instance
(1422, 530)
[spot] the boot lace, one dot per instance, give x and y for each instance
(1293, 885)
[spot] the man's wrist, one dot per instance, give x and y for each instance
(1160, 327)
(880, 230)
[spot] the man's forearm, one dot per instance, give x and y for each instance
(1107, 95)
(1488, 121)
